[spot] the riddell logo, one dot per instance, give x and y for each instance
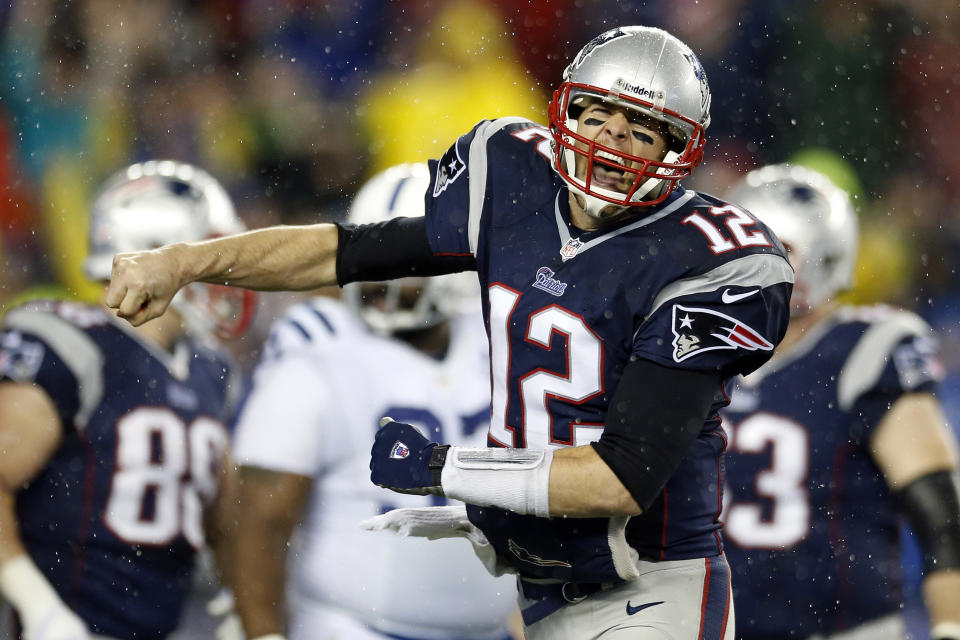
(641, 92)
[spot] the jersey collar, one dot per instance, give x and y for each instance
(574, 241)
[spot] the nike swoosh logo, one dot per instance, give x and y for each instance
(640, 607)
(728, 297)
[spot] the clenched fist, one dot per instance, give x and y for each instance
(143, 283)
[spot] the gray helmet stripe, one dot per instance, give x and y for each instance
(656, 68)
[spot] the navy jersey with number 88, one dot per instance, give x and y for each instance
(115, 518)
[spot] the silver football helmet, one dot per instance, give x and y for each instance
(406, 304)
(647, 70)
(159, 202)
(815, 221)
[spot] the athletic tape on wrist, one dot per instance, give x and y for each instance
(28, 590)
(514, 479)
(946, 631)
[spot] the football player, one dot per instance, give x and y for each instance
(303, 442)
(838, 435)
(112, 438)
(617, 305)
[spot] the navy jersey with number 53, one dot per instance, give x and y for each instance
(808, 512)
(115, 517)
(692, 283)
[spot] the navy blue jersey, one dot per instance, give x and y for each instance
(692, 283)
(115, 517)
(811, 532)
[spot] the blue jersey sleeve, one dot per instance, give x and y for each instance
(731, 329)
(911, 367)
(450, 210)
(27, 358)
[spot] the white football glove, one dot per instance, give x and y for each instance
(43, 614)
(946, 631)
(221, 606)
(57, 622)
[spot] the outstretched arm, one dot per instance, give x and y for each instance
(294, 258)
(286, 258)
(918, 457)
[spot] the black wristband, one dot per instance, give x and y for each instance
(931, 504)
(438, 457)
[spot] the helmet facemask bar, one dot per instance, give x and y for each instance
(653, 180)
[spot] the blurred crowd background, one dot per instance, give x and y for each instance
(293, 103)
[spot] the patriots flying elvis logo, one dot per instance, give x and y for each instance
(697, 331)
(598, 41)
(448, 170)
(701, 77)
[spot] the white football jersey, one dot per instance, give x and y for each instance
(319, 392)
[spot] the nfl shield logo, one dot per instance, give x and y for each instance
(571, 248)
(399, 450)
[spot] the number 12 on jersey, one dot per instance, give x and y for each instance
(736, 220)
(583, 379)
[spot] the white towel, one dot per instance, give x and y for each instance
(434, 523)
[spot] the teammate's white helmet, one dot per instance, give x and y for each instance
(406, 304)
(159, 202)
(647, 70)
(814, 218)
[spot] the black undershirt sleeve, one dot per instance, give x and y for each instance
(931, 504)
(655, 415)
(396, 248)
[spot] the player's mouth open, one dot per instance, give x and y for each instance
(606, 176)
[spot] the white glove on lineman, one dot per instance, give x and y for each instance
(42, 612)
(434, 523)
(946, 631)
(221, 607)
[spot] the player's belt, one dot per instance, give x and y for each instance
(552, 596)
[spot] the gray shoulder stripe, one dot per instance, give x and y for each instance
(477, 167)
(74, 347)
(757, 270)
(866, 362)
